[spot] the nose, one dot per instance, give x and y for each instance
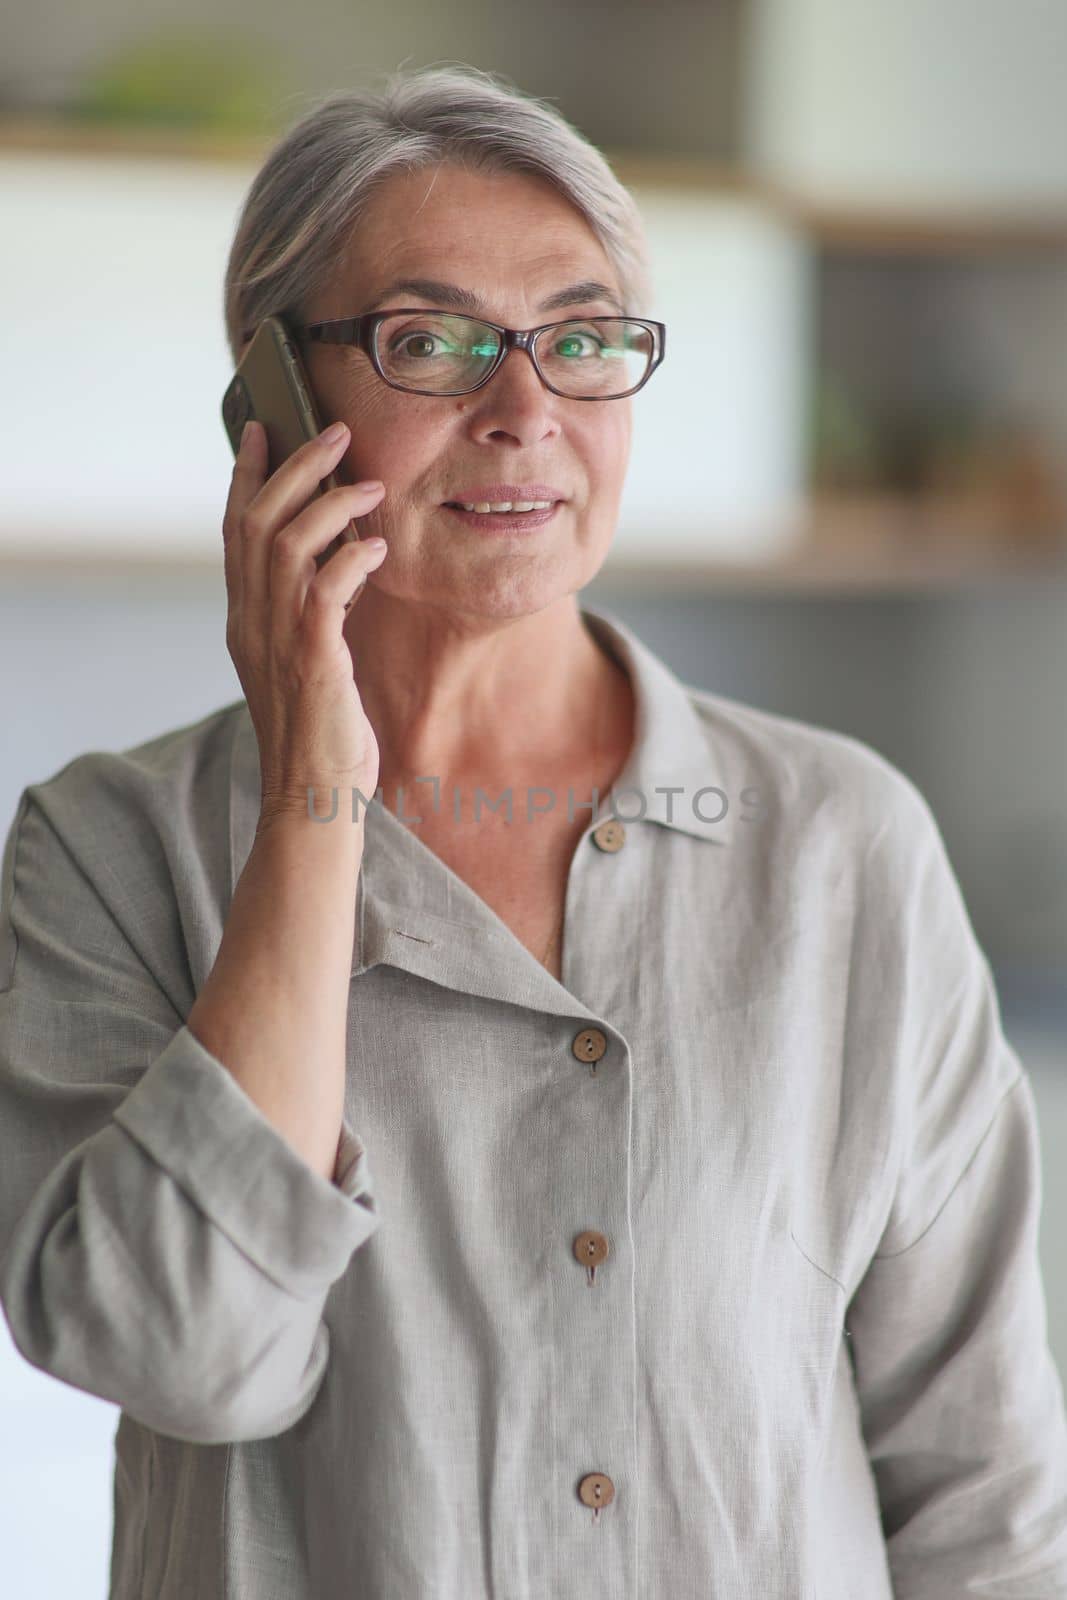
(515, 401)
(517, 371)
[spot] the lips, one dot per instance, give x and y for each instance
(500, 522)
(495, 493)
(461, 505)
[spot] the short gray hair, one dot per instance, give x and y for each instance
(317, 179)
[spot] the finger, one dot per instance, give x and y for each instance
(263, 521)
(293, 568)
(340, 583)
(249, 470)
(293, 484)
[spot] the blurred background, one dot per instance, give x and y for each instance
(847, 499)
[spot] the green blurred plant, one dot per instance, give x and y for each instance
(189, 79)
(845, 446)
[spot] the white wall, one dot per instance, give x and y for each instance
(948, 104)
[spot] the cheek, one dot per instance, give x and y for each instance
(362, 405)
(611, 446)
(390, 440)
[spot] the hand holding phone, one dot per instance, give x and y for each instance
(284, 629)
(271, 386)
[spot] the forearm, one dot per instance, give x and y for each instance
(274, 1008)
(176, 1260)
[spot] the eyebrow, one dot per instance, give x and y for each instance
(450, 294)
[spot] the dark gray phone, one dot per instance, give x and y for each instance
(272, 386)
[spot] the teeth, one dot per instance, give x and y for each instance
(509, 505)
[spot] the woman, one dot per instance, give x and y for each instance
(700, 1251)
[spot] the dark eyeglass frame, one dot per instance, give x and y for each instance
(362, 332)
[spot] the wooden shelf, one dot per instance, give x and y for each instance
(941, 229)
(869, 544)
(881, 232)
(851, 545)
(68, 137)
(934, 230)
(807, 573)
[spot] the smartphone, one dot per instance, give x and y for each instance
(271, 385)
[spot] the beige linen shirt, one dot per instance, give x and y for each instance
(708, 1270)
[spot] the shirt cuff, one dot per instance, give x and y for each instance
(190, 1114)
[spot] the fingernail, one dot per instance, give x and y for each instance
(244, 434)
(370, 484)
(331, 434)
(375, 543)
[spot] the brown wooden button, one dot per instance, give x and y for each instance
(591, 1248)
(589, 1045)
(609, 835)
(596, 1489)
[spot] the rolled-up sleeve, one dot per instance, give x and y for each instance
(162, 1246)
(961, 1404)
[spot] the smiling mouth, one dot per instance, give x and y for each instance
(456, 505)
(499, 522)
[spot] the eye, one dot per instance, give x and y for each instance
(578, 342)
(402, 345)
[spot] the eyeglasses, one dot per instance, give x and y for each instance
(442, 353)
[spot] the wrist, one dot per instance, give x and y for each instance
(321, 801)
(289, 818)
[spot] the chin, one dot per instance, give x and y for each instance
(519, 592)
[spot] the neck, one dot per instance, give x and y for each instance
(481, 698)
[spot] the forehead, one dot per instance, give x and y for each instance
(489, 233)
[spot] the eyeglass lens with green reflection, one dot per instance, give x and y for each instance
(445, 353)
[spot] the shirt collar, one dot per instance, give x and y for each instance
(674, 756)
(673, 749)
